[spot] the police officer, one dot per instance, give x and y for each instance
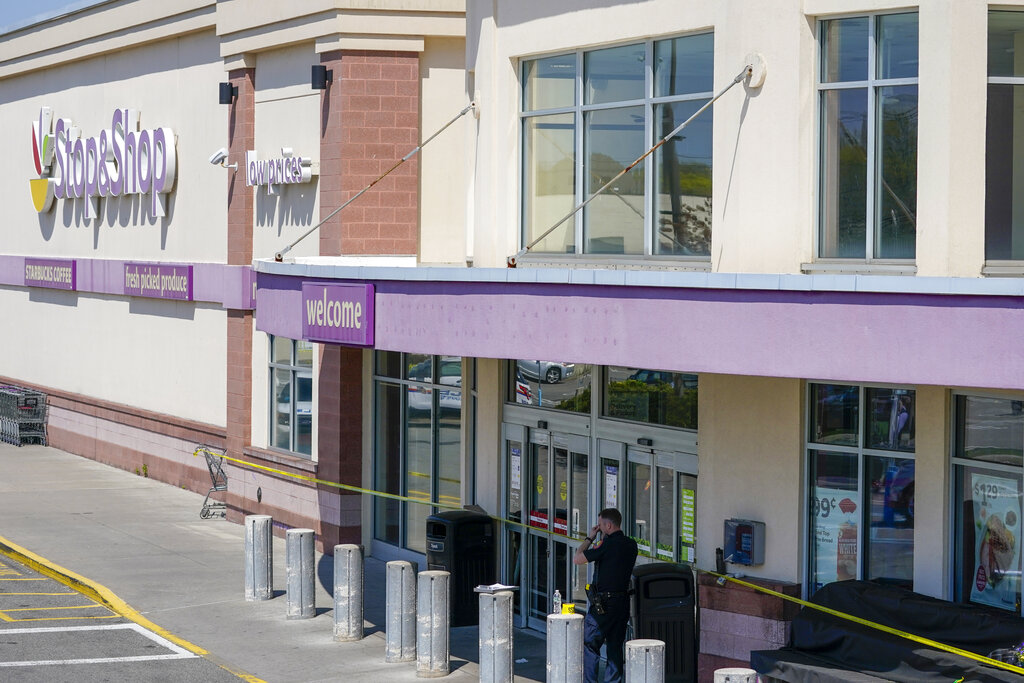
(605, 623)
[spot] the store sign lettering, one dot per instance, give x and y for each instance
(285, 170)
(338, 314)
(119, 162)
(51, 273)
(158, 281)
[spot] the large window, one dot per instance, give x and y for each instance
(988, 454)
(868, 170)
(291, 395)
(586, 116)
(860, 456)
(651, 396)
(551, 384)
(418, 442)
(1004, 153)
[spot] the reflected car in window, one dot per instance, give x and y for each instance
(303, 407)
(547, 371)
(451, 374)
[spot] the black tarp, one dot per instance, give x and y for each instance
(823, 647)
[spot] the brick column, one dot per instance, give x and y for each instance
(369, 121)
(241, 133)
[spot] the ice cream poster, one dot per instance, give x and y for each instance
(834, 518)
(996, 502)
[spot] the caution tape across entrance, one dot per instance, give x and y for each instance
(760, 589)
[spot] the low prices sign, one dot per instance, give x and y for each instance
(338, 314)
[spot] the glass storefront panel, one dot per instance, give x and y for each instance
(549, 83)
(639, 528)
(418, 466)
(614, 74)
(650, 396)
(540, 487)
(665, 538)
(684, 66)
(988, 532)
(896, 224)
(560, 492)
(281, 427)
(549, 182)
(834, 518)
(844, 173)
(449, 449)
(990, 430)
(889, 549)
(388, 460)
(551, 384)
(834, 414)
(613, 223)
(890, 414)
(388, 364)
(683, 176)
(844, 53)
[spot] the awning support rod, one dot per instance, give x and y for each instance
(279, 256)
(747, 72)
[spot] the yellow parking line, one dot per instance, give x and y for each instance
(4, 617)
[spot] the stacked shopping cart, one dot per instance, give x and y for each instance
(22, 416)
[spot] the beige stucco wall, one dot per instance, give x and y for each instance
(287, 115)
(750, 451)
(932, 475)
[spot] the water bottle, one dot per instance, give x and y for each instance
(556, 603)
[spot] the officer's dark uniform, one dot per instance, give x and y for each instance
(614, 560)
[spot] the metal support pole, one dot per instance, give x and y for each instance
(401, 612)
(496, 637)
(645, 661)
(735, 675)
(348, 592)
(259, 557)
(299, 570)
(432, 608)
(565, 648)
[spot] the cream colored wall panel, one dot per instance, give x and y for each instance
(751, 467)
(171, 84)
(292, 122)
(260, 420)
(99, 29)
(763, 183)
(156, 355)
(285, 73)
(932, 473)
(442, 166)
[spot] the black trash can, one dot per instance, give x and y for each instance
(665, 608)
(462, 542)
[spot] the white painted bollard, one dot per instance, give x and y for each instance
(432, 609)
(259, 557)
(300, 565)
(348, 593)
(496, 637)
(565, 648)
(400, 601)
(645, 661)
(735, 675)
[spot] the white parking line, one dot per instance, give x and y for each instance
(179, 653)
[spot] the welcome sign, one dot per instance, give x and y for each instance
(338, 314)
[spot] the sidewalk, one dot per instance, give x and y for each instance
(145, 542)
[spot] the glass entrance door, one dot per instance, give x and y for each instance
(558, 512)
(662, 489)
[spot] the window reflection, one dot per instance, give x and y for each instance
(551, 384)
(651, 396)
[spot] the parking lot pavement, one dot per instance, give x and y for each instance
(51, 632)
(145, 542)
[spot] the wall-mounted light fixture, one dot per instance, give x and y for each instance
(228, 93)
(542, 424)
(320, 77)
(643, 441)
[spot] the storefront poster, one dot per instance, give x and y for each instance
(611, 486)
(834, 513)
(687, 516)
(996, 509)
(515, 468)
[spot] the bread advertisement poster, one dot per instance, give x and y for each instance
(996, 537)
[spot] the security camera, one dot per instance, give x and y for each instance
(218, 157)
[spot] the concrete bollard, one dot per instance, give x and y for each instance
(645, 661)
(259, 557)
(400, 600)
(496, 637)
(432, 609)
(348, 593)
(565, 648)
(735, 675)
(300, 567)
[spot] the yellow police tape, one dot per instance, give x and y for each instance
(804, 603)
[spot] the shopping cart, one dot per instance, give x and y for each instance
(218, 480)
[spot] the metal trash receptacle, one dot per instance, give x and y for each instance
(462, 542)
(664, 608)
